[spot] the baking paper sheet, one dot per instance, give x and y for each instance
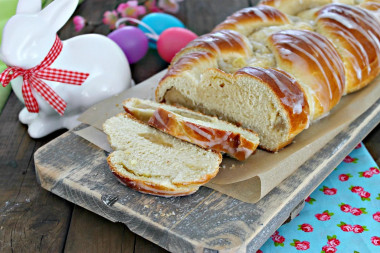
(250, 180)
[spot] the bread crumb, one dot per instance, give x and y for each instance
(232, 167)
(133, 162)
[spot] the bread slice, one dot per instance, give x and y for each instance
(150, 161)
(268, 101)
(197, 128)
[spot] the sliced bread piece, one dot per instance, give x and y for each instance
(197, 128)
(150, 161)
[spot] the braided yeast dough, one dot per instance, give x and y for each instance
(276, 67)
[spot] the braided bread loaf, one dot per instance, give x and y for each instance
(276, 67)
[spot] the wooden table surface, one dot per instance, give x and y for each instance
(35, 220)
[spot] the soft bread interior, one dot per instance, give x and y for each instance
(144, 183)
(144, 109)
(146, 154)
(250, 103)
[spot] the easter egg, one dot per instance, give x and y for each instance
(159, 22)
(132, 41)
(172, 40)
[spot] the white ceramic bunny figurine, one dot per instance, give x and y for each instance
(29, 37)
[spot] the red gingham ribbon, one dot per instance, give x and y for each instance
(32, 79)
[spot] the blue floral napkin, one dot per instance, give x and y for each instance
(341, 215)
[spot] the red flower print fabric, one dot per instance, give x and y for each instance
(324, 216)
(353, 210)
(278, 240)
(344, 177)
(375, 240)
(341, 215)
(304, 245)
(328, 191)
(332, 243)
(305, 227)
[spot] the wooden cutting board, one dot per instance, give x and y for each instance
(206, 221)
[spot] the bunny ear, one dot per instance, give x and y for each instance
(28, 6)
(58, 12)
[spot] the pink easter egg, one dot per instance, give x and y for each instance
(172, 40)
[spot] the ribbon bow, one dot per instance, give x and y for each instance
(32, 78)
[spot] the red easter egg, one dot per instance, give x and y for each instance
(172, 40)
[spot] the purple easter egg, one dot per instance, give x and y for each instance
(132, 41)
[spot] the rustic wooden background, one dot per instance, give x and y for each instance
(34, 220)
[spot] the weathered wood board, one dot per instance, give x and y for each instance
(31, 219)
(206, 221)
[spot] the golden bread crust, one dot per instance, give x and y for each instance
(289, 94)
(221, 44)
(314, 62)
(356, 34)
(228, 142)
(194, 62)
(371, 5)
(247, 20)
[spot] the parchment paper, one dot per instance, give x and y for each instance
(250, 180)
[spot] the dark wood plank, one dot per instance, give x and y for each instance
(142, 245)
(372, 142)
(148, 66)
(91, 233)
(254, 2)
(32, 219)
(203, 15)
